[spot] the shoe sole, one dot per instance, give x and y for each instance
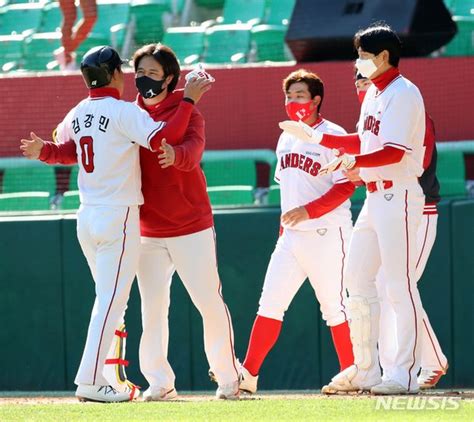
(87, 399)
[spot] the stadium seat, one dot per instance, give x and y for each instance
(25, 201)
(11, 52)
(280, 12)
(52, 17)
(150, 19)
(227, 44)
(113, 17)
(187, 42)
(463, 43)
(70, 200)
(274, 195)
(231, 172)
(20, 19)
(268, 43)
(231, 195)
(210, 4)
(39, 50)
(451, 173)
(243, 11)
(29, 179)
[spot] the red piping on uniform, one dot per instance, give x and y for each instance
(432, 343)
(342, 275)
(113, 294)
(424, 241)
(409, 288)
(117, 362)
(219, 292)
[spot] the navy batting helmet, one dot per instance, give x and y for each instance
(98, 65)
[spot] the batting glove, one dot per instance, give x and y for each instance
(301, 131)
(341, 162)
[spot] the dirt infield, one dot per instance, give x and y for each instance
(67, 397)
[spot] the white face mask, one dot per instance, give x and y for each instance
(366, 67)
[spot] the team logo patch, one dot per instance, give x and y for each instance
(388, 196)
(322, 232)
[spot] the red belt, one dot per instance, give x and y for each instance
(375, 186)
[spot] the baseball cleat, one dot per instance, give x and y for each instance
(105, 393)
(228, 391)
(351, 380)
(248, 382)
(160, 394)
(428, 378)
(390, 387)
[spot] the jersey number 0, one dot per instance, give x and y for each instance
(87, 153)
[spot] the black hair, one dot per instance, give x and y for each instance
(377, 38)
(313, 81)
(164, 56)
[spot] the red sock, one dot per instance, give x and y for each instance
(341, 337)
(264, 335)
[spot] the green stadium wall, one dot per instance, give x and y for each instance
(46, 296)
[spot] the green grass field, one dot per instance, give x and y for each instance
(265, 407)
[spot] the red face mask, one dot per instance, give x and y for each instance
(361, 95)
(299, 111)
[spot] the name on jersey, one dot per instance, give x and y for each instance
(103, 122)
(372, 124)
(300, 161)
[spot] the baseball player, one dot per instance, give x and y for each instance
(178, 234)
(103, 134)
(316, 223)
(433, 361)
(390, 149)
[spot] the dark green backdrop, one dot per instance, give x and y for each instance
(46, 295)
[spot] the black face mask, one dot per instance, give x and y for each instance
(148, 87)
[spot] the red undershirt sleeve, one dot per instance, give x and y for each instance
(65, 153)
(334, 197)
(387, 155)
(350, 142)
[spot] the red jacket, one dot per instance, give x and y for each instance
(176, 200)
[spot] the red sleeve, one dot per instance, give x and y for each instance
(350, 142)
(383, 157)
(334, 197)
(189, 152)
(52, 153)
(429, 141)
(175, 127)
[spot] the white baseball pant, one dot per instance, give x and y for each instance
(317, 254)
(384, 236)
(432, 356)
(110, 238)
(193, 256)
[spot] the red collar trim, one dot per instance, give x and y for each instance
(317, 122)
(104, 92)
(383, 80)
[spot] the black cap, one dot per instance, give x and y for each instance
(98, 66)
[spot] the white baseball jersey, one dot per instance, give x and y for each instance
(297, 173)
(105, 130)
(393, 117)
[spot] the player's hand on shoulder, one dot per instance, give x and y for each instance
(31, 148)
(168, 157)
(301, 131)
(196, 87)
(293, 217)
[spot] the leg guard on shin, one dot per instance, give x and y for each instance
(115, 365)
(362, 330)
